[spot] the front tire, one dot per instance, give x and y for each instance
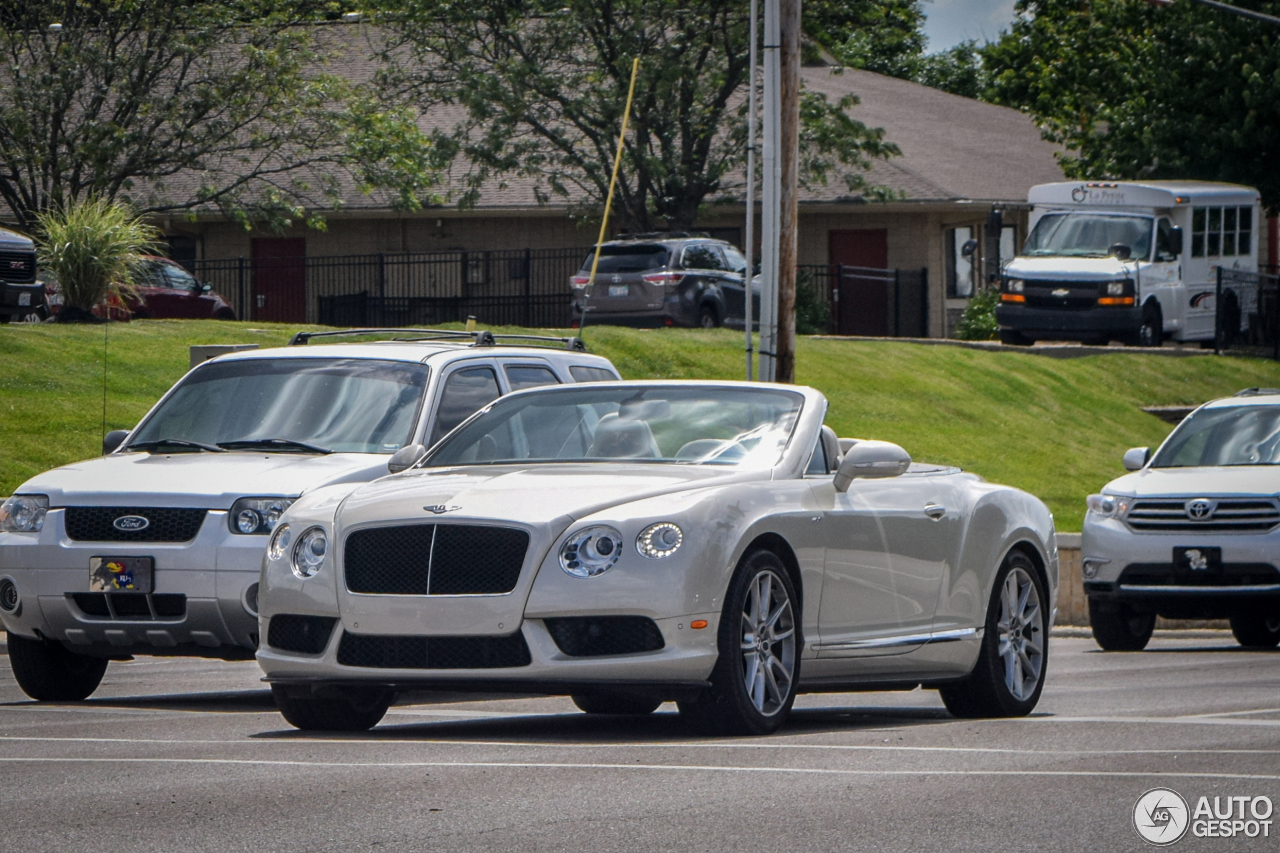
(1150, 331)
(615, 703)
(332, 709)
(1119, 628)
(47, 672)
(1255, 631)
(754, 681)
(1009, 675)
(708, 317)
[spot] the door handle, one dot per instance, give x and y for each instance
(935, 511)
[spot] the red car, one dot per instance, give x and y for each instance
(166, 291)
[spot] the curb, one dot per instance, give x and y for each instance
(1052, 350)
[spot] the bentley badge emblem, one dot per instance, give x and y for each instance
(440, 509)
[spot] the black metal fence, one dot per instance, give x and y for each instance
(1248, 311)
(525, 287)
(883, 303)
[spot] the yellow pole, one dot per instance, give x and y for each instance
(613, 181)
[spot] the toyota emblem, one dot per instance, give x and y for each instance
(1200, 509)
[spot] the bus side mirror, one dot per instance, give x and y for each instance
(969, 247)
(1120, 251)
(1175, 240)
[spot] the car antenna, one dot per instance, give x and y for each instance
(105, 326)
(608, 202)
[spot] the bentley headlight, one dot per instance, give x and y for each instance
(280, 541)
(1107, 506)
(591, 551)
(23, 514)
(659, 540)
(309, 553)
(257, 515)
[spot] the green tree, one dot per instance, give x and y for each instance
(543, 85)
(1135, 91)
(177, 104)
(884, 36)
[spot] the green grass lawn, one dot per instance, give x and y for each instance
(1056, 428)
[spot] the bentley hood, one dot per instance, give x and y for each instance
(528, 494)
(1196, 482)
(198, 480)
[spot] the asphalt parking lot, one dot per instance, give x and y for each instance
(191, 755)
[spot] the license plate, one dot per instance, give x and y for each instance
(619, 289)
(1197, 560)
(121, 574)
(24, 299)
(55, 299)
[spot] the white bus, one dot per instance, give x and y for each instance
(1133, 261)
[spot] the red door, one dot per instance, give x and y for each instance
(279, 279)
(863, 296)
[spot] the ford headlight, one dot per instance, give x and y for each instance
(309, 553)
(1107, 506)
(659, 540)
(23, 514)
(591, 551)
(257, 515)
(280, 541)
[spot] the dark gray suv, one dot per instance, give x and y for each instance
(673, 279)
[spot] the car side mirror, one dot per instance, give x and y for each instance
(1135, 458)
(1175, 240)
(871, 459)
(206, 287)
(405, 457)
(113, 440)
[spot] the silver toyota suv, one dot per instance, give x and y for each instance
(1194, 531)
(156, 547)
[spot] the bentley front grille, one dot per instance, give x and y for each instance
(1202, 515)
(434, 559)
(163, 524)
(374, 652)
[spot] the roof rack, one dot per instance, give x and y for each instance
(479, 338)
(665, 235)
(1257, 392)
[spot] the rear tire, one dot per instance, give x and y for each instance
(753, 684)
(47, 672)
(332, 709)
(1256, 631)
(1118, 628)
(708, 317)
(1009, 675)
(1014, 338)
(615, 703)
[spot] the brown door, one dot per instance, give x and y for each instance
(279, 279)
(863, 296)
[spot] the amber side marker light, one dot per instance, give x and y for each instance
(1115, 300)
(1013, 297)
(698, 623)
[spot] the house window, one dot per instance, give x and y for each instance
(1008, 245)
(960, 269)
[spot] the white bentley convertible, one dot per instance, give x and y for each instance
(629, 543)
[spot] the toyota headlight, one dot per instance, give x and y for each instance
(1107, 506)
(659, 540)
(591, 551)
(309, 553)
(23, 514)
(257, 515)
(280, 542)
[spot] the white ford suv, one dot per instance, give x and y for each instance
(156, 547)
(1194, 531)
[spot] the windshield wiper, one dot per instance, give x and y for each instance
(272, 444)
(174, 442)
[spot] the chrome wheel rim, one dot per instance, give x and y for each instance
(768, 644)
(1021, 634)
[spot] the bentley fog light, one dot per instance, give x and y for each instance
(591, 551)
(23, 514)
(309, 553)
(1107, 506)
(659, 540)
(257, 515)
(279, 543)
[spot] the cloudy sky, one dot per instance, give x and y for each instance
(949, 22)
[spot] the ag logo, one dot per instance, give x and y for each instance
(130, 523)
(1079, 194)
(1161, 816)
(1197, 560)
(1200, 509)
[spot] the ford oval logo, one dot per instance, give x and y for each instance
(131, 523)
(1200, 509)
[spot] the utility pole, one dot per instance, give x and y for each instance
(749, 276)
(789, 155)
(771, 175)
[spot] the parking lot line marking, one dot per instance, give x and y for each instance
(375, 741)
(1237, 713)
(685, 768)
(1176, 721)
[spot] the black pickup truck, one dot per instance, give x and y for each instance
(20, 294)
